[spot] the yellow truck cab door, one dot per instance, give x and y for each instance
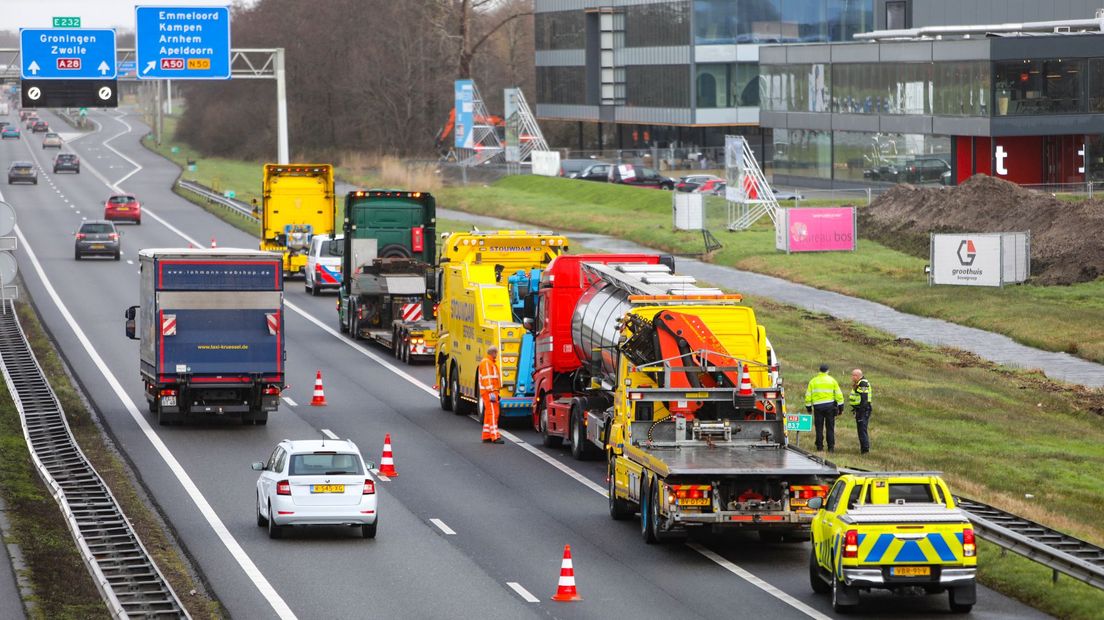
(825, 524)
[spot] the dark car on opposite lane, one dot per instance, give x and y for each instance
(97, 238)
(639, 176)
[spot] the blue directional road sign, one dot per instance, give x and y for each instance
(182, 43)
(67, 54)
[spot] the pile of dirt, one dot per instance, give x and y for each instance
(1067, 238)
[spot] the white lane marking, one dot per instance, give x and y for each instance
(130, 262)
(758, 583)
(522, 592)
(448, 531)
(329, 434)
(531, 449)
(375, 472)
(137, 166)
(291, 403)
(268, 592)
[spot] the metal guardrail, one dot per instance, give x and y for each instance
(1057, 551)
(125, 574)
(236, 206)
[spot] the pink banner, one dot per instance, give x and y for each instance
(820, 230)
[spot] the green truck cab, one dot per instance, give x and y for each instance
(895, 531)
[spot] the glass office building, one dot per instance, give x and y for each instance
(1025, 107)
(657, 73)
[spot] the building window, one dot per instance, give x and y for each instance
(896, 15)
(657, 25)
(760, 21)
(727, 85)
(1096, 86)
(657, 86)
(560, 30)
(862, 157)
(715, 22)
(962, 88)
(1035, 87)
(803, 153)
(804, 21)
(564, 85)
(846, 18)
(795, 88)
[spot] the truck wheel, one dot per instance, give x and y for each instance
(957, 607)
(354, 322)
(459, 405)
(442, 390)
(619, 509)
(342, 323)
(549, 441)
(646, 531)
(815, 582)
(581, 448)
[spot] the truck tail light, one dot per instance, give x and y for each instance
(369, 487)
(166, 392)
(272, 390)
(851, 544)
(283, 487)
(969, 546)
(417, 238)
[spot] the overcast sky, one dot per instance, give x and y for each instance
(16, 14)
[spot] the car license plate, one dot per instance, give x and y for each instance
(911, 571)
(327, 488)
(97, 246)
(702, 501)
(168, 401)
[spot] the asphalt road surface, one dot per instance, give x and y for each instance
(467, 529)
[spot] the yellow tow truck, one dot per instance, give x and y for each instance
(894, 531)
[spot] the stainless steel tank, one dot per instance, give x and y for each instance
(594, 328)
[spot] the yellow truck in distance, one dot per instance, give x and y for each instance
(297, 203)
(894, 531)
(487, 287)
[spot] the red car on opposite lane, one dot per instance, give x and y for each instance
(123, 207)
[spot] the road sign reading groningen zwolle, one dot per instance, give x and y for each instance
(70, 54)
(182, 43)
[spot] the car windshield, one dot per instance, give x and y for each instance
(21, 167)
(325, 464)
(121, 199)
(97, 229)
(66, 157)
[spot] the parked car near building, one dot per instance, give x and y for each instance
(639, 176)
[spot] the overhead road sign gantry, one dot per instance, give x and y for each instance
(68, 54)
(182, 43)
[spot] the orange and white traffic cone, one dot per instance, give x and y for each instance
(565, 591)
(319, 398)
(387, 462)
(746, 390)
(214, 244)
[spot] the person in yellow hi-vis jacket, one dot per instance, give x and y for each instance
(824, 399)
(490, 382)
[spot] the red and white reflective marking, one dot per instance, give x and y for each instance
(273, 319)
(168, 324)
(412, 312)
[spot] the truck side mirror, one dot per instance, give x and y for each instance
(527, 323)
(131, 324)
(816, 503)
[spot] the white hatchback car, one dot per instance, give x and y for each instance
(316, 482)
(323, 267)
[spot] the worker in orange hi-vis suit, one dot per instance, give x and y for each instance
(490, 382)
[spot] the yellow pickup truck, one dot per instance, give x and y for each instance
(895, 531)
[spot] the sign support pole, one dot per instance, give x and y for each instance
(168, 90)
(282, 155)
(158, 101)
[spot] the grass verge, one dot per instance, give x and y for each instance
(1057, 318)
(58, 573)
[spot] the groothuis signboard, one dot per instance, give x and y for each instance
(980, 259)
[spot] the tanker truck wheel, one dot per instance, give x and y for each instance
(581, 449)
